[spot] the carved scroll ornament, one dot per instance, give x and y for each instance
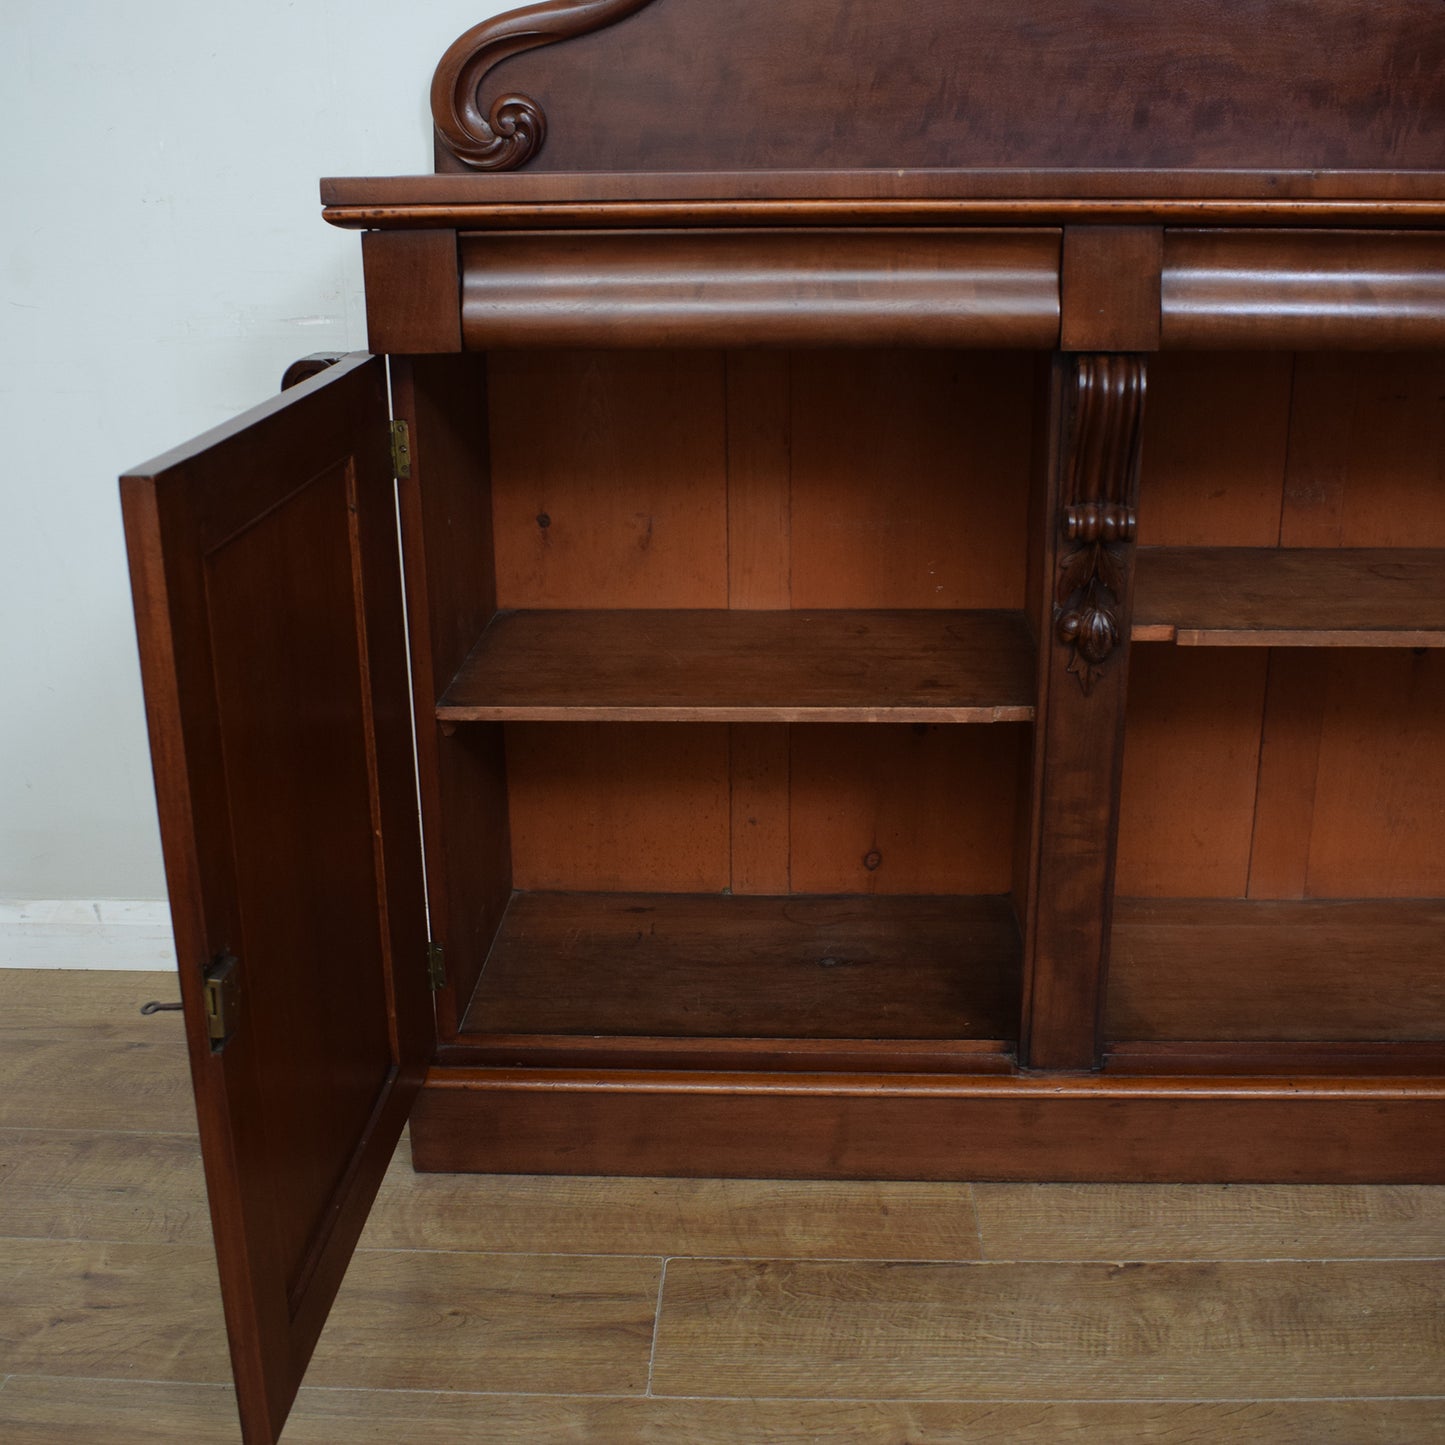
(511, 131)
(1098, 517)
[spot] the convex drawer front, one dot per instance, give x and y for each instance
(752, 287)
(941, 286)
(1366, 290)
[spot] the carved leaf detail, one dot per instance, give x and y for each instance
(1109, 567)
(1075, 571)
(1098, 514)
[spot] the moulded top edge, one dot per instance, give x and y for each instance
(972, 184)
(801, 198)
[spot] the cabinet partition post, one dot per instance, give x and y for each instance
(413, 292)
(1096, 412)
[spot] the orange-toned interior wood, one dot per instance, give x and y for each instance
(1288, 774)
(758, 481)
(1264, 788)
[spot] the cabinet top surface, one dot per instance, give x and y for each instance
(865, 197)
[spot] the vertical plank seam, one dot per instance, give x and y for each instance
(1320, 701)
(732, 804)
(788, 489)
(788, 803)
(656, 1327)
(788, 593)
(1288, 447)
(727, 440)
(1270, 672)
(727, 414)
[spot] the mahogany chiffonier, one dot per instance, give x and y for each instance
(916, 625)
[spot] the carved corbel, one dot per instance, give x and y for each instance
(510, 131)
(1097, 514)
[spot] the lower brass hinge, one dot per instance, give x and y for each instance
(436, 971)
(400, 450)
(221, 989)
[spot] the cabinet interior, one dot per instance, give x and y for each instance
(1280, 868)
(752, 700)
(738, 740)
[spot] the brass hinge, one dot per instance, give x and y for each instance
(221, 989)
(400, 450)
(436, 970)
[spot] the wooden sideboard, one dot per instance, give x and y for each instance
(918, 625)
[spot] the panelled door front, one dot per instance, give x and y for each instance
(268, 604)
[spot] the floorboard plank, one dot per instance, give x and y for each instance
(76, 1052)
(547, 1323)
(111, 1310)
(747, 1218)
(1172, 1331)
(110, 1323)
(44, 1410)
(47, 1411)
(1209, 1221)
(431, 1321)
(68, 1184)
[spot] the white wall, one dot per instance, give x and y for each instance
(162, 258)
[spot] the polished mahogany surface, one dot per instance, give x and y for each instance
(266, 573)
(922, 531)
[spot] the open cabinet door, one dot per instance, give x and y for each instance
(268, 602)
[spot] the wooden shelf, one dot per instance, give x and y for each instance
(666, 965)
(1290, 597)
(1206, 969)
(726, 666)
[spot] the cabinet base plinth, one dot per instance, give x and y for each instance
(862, 1126)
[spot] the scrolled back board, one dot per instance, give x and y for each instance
(738, 85)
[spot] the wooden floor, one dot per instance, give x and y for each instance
(695, 1311)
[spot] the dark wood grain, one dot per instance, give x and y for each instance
(1226, 969)
(265, 568)
(1086, 576)
(752, 666)
(448, 554)
(980, 195)
(1075, 185)
(511, 130)
(900, 1126)
(1109, 288)
(1290, 597)
(1204, 83)
(413, 291)
(774, 288)
(1307, 290)
(716, 967)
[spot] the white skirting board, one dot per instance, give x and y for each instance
(86, 933)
